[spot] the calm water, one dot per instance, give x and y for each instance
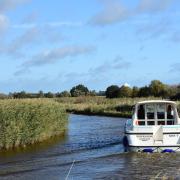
(95, 146)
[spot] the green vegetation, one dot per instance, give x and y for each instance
(24, 122)
(79, 90)
(155, 89)
(118, 107)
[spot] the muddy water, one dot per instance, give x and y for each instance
(94, 144)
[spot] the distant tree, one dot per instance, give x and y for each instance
(3, 96)
(174, 92)
(63, 94)
(101, 93)
(144, 92)
(158, 89)
(125, 91)
(20, 95)
(92, 93)
(112, 91)
(49, 95)
(10, 95)
(40, 94)
(176, 97)
(135, 91)
(79, 90)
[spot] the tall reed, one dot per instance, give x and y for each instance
(28, 121)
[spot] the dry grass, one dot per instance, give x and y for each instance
(120, 107)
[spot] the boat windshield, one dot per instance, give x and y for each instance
(155, 114)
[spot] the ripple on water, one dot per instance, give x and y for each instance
(95, 143)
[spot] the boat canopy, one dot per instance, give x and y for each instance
(156, 112)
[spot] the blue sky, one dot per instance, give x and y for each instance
(54, 45)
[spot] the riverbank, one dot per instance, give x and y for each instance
(101, 106)
(24, 122)
(106, 114)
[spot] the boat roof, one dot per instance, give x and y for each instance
(157, 101)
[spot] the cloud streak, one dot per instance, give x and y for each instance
(56, 24)
(6, 5)
(153, 5)
(114, 11)
(175, 68)
(19, 43)
(54, 55)
(3, 23)
(117, 64)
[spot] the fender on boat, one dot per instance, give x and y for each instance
(168, 151)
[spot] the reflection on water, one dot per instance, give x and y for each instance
(95, 144)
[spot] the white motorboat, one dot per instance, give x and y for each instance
(154, 127)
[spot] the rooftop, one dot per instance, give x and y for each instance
(156, 101)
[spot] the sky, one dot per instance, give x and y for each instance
(54, 45)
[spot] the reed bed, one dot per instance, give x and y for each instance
(118, 107)
(24, 122)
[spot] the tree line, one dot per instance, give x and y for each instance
(156, 88)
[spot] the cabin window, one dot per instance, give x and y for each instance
(155, 114)
(170, 115)
(141, 123)
(141, 112)
(161, 111)
(150, 109)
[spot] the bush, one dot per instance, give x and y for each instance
(124, 108)
(27, 121)
(79, 90)
(125, 91)
(112, 91)
(63, 94)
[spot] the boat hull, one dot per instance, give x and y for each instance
(145, 142)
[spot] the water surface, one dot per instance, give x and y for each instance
(95, 145)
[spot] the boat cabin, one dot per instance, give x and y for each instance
(159, 112)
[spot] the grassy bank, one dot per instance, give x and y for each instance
(25, 122)
(120, 107)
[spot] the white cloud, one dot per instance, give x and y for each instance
(51, 56)
(6, 5)
(114, 11)
(154, 5)
(15, 47)
(3, 23)
(56, 24)
(175, 67)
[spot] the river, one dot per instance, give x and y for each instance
(91, 149)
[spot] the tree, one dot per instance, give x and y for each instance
(101, 93)
(63, 94)
(175, 97)
(3, 96)
(144, 92)
(92, 93)
(112, 91)
(20, 95)
(40, 94)
(49, 95)
(79, 90)
(135, 91)
(125, 91)
(157, 88)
